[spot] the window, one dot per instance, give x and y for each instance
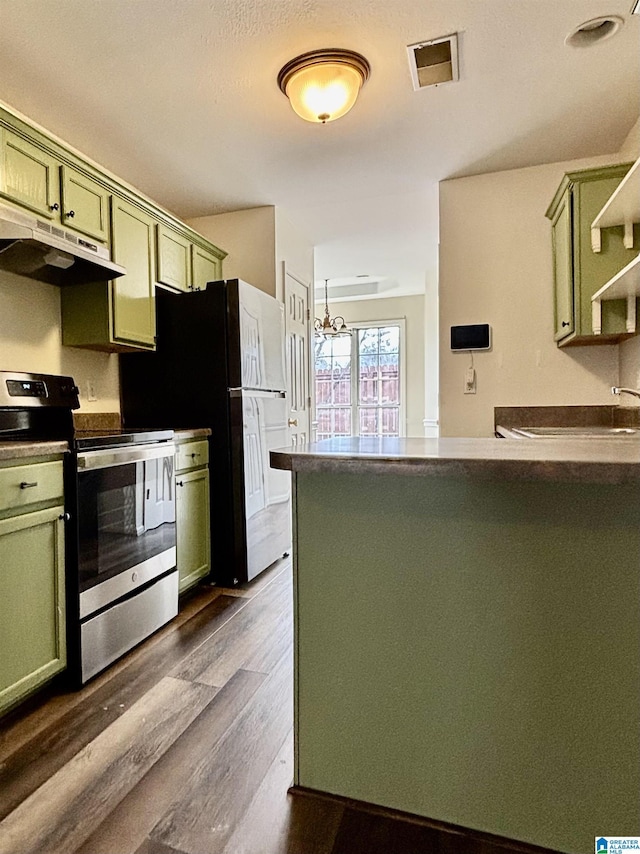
(359, 381)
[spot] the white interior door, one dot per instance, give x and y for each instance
(296, 299)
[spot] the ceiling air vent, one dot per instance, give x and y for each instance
(434, 62)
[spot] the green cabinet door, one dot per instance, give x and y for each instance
(85, 204)
(206, 267)
(579, 271)
(563, 269)
(133, 302)
(173, 258)
(29, 176)
(32, 603)
(192, 527)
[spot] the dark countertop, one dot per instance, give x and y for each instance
(185, 433)
(567, 416)
(568, 460)
(22, 449)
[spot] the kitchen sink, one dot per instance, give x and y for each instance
(577, 432)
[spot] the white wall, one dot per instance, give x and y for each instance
(496, 268)
(412, 309)
(30, 340)
(630, 350)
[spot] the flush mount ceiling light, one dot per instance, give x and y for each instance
(595, 30)
(323, 85)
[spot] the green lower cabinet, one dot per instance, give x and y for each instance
(192, 526)
(579, 271)
(32, 602)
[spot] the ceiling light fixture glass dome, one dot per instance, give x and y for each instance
(323, 85)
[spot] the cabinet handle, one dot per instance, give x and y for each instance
(194, 455)
(54, 207)
(292, 422)
(71, 214)
(179, 483)
(566, 323)
(25, 485)
(64, 517)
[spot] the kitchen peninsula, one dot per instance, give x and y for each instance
(467, 633)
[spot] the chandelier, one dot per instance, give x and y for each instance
(329, 327)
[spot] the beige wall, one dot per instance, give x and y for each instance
(412, 310)
(30, 340)
(249, 238)
(496, 268)
(259, 241)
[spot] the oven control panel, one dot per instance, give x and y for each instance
(30, 390)
(26, 388)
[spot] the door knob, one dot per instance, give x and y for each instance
(292, 422)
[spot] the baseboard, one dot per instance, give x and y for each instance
(465, 838)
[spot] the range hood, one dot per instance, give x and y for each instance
(42, 250)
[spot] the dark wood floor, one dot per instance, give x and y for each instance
(185, 745)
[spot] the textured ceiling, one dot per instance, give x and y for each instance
(179, 97)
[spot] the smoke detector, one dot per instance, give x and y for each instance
(433, 62)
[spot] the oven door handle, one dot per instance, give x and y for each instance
(121, 456)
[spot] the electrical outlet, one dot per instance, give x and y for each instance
(470, 381)
(91, 390)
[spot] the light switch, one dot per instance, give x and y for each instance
(470, 381)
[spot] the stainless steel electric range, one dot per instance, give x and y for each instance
(120, 536)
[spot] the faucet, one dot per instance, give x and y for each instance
(617, 390)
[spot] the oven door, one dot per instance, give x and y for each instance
(126, 521)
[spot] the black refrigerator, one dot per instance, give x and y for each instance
(219, 363)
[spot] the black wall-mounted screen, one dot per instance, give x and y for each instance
(477, 336)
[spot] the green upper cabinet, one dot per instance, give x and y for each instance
(133, 295)
(206, 267)
(578, 271)
(34, 179)
(29, 176)
(173, 258)
(41, 175)
(184, 265)
(85, 204)
(118, 315)
(563, 268)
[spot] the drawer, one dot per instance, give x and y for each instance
(21, 486)
(191, 455)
